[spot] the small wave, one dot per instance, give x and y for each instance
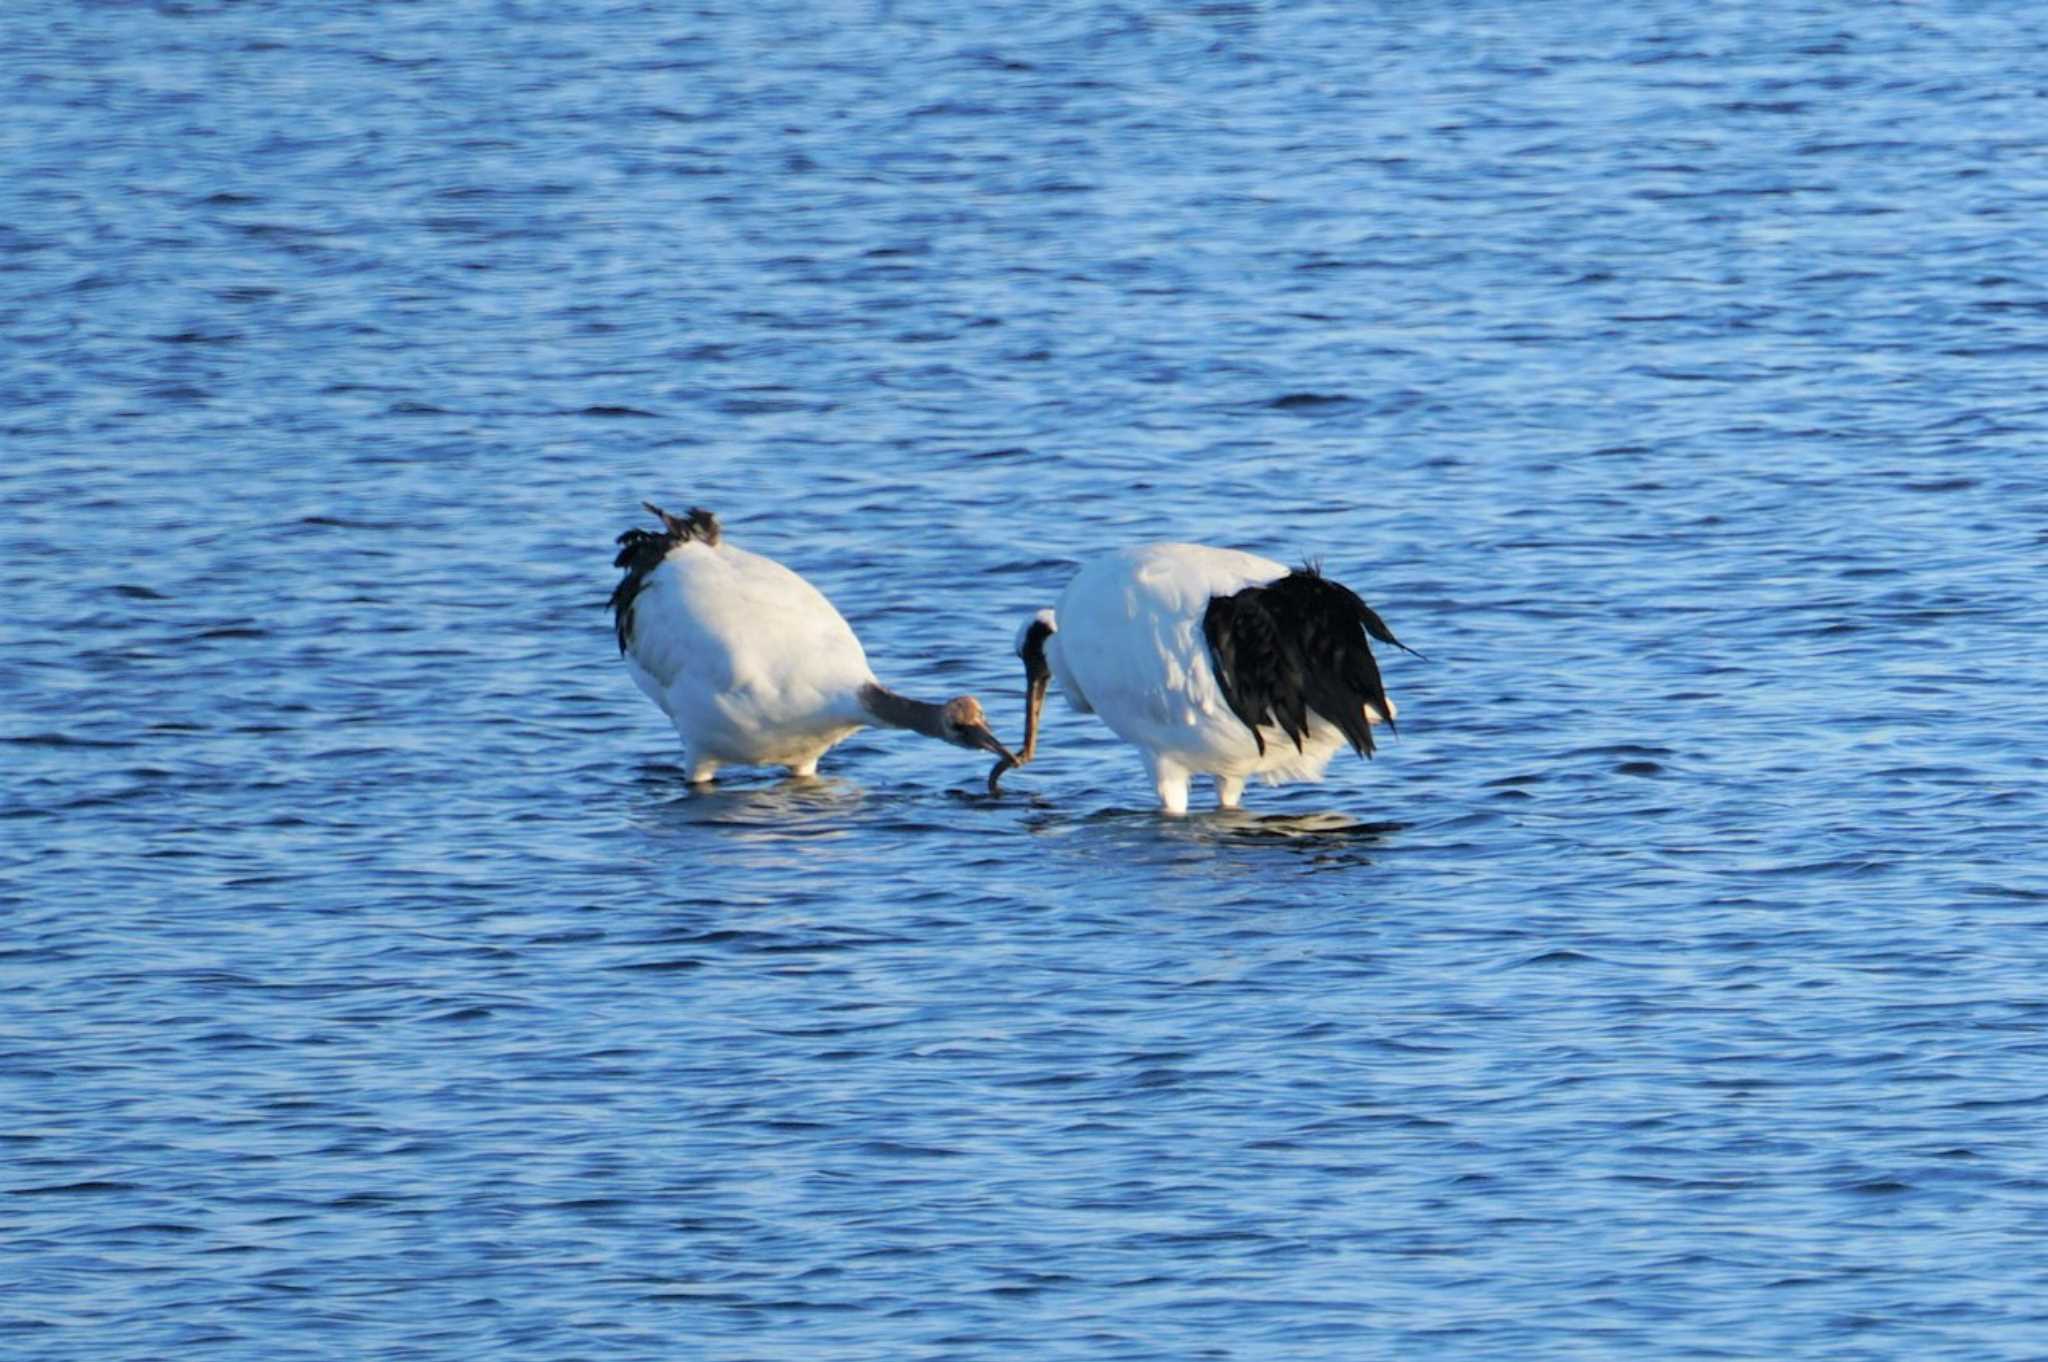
(1307, 401)
(64, 740)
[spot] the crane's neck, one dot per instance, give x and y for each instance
(885, 707)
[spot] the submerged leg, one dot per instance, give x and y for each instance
(1171, 780)
(1229, 789)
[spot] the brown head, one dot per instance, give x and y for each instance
(963, 724)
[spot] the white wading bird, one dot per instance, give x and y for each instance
(1210, 662)
(749, 661)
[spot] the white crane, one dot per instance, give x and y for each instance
(1210, 662)
(749, 661)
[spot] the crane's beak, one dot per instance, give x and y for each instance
(975, 735)
(1037, 677)
(1036, 681)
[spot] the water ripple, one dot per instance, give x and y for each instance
(379, 986)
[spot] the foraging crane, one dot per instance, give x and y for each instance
(750, 661)
(1210, 662)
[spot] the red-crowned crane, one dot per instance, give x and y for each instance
(1209, 662)
(749, 661)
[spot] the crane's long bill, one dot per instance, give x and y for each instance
(1037, 677)
(1035, 685)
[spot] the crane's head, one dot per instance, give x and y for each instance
(963, 724)
(1031, 640)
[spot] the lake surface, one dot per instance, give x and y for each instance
(372, 985)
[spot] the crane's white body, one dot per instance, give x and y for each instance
(750, 662)
(1128, 647)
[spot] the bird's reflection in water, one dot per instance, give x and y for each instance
(1238, 825)
(767, 809)
(1330, 838)
(1329, 841)
(774, 807)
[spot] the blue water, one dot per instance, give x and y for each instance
(373, 986)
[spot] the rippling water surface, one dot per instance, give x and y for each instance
(1670, 375)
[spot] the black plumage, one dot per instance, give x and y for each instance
(1295, 647)
(1033, 651)
(641, 551)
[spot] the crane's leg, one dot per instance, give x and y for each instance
(1229, 789)
(702, 771)
(1171, 780)
(805, 765)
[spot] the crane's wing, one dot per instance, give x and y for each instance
(1130, 631)
(699, 619)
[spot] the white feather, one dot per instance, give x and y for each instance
(749, 661)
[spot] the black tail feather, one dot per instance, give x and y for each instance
(641, 551)
(1377, 627)
(1295, 647)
